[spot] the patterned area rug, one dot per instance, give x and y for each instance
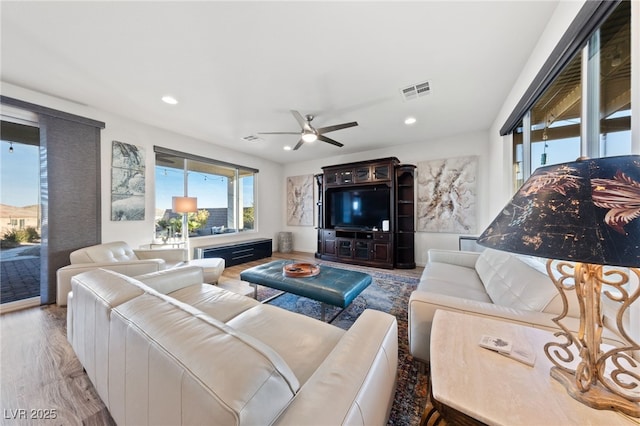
(389, 292)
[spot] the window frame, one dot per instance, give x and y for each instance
(581, 38)
(238, 172)
(589, 19)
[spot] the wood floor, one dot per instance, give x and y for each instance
(40, 375)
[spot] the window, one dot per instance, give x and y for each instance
(611, 52)
(555, 119)
(584, 110)
(225, 193)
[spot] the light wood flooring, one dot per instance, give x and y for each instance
(41, 375)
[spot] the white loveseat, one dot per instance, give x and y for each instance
(167, 349)
(494, 284)
(116, 256)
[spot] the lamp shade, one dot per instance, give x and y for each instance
(585, 211)
(184, 204)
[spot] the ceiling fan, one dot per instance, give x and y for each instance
(309, 134)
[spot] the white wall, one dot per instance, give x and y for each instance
(121, 129)
(476, 143)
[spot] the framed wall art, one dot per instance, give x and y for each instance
(127, 182)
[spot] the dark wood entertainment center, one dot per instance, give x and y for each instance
(366, 213)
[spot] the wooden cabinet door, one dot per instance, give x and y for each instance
(345, 177)
(362, 174)
(329, 243)
(381, 252)
(330, 178)
(362, 250)
(381, 172)
(344, 248)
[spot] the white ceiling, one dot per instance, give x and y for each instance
(237, 68)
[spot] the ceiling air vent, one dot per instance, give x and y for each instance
(252, 138)
(415, 91)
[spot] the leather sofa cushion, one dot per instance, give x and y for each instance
(117, 251)
(158, 343)
(170, 280)
(214, 301)
(303, 342)
(453, 280)
(518, 282)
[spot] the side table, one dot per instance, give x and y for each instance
(498, 390)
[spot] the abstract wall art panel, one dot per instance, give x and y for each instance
(300, 200)
(447, 195)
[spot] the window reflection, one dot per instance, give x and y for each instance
(615, 83)
(555, 119)
(552, 131)
(226, 200)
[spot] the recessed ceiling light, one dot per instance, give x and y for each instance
(169, 100)
(410, 120)
(287, 148)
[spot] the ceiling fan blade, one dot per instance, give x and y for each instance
(301, 120)
(298, 145)
(329, 140)
(278, 133)
(335, 127)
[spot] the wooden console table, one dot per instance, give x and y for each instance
(497, 390)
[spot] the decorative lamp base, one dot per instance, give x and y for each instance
(597, 396)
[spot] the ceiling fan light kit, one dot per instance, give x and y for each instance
(310, 134)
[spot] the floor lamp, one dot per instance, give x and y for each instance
(185, 205)
(584, 217)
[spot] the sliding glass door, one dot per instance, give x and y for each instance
(20, 212)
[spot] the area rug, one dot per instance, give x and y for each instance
(389, 292)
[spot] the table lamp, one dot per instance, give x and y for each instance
(584, 217)
(185, 205)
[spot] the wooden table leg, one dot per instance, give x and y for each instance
(429, 409)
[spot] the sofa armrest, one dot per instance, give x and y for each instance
(170, 280)
(355, 384)
(461, 258)
(169, 255)
(132, 268)
(423, 305)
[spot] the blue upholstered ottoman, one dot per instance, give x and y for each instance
(332, 286)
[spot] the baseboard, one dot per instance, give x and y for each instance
(19, 304)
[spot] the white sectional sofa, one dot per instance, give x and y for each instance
(116, 256)
(163, 348)
(493, 284)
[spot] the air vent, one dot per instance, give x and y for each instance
(415, 91)
(252, 138)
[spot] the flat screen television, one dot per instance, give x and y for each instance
(359, 208)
